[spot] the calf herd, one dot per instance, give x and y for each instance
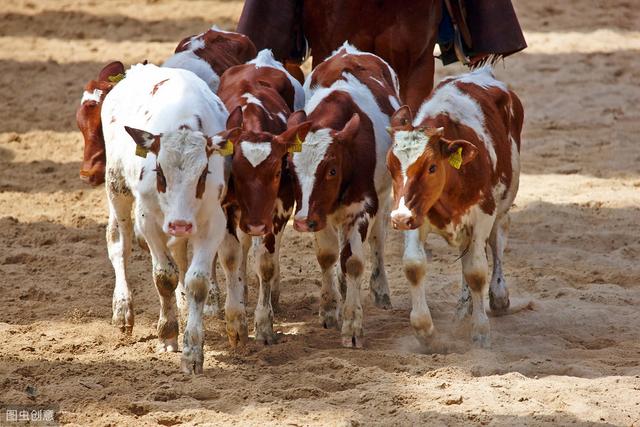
(216, 149)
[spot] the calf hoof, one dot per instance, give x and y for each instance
(168, 345)
(352, 331)
(237, 330)
(352, 341)
(499, 300)
(263, 325)
(381, 300)
(167, 335)
(481, 340)
(123, 315)
(329, 319)
(423, 328)
(265, 337)
(192, 360)
(481, 336)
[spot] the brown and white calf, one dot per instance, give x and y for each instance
(455, 169)
(260, 95)
(90, 125)
(209, 54)
(343, 187)
(161, 129)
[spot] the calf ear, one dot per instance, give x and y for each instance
(235, 118)
(350, 129)
(112, 69)
(296, 118)
(223, 143)
(294, 137)
(146, 141)
(402, 117)
(458, 152)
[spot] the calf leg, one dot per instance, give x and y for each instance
(266, 258)
(230, 254)
(178, 249)
(498, 292)
(342, 279)
(475, 269)
(414, 262)
(165, 277)
(327, 255)
(378, 285)
(119, 237)
(212, 305)
(245, 242)
(352, 264)
(205, 245)
(275, 283)
(464, 308)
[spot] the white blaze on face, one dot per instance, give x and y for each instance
(255, 152)
(251, 99)
(306, 163)
(408, 147)
(182, 158)
(91, 96)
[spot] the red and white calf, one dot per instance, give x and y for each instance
(170, 119)
(209, 54)
(343, 187)
(88, 121)
(455, 170)
(260, 96)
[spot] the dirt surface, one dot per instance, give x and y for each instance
(573, 251)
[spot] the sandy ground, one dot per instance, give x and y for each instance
(574, 251)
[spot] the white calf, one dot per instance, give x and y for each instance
(174, 171)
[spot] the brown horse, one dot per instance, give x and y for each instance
(402, 32)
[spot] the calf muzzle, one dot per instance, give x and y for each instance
(256, 229)
(180, 228)
(305, 225)
(403, 221)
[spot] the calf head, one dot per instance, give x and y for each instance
(259, 161)
(321, 169)
(421, 161)
(90, 124)
(182, 167)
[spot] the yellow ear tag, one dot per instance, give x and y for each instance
(455, 159)
(116, 78)
(297, 145)
(227, 149)
(141, 151)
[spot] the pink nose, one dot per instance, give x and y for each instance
(180, 228)
(304, 225)
(257, 230)
(401, 221)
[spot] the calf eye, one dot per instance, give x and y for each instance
(432, 168)
(332, 172)
(277, 174)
